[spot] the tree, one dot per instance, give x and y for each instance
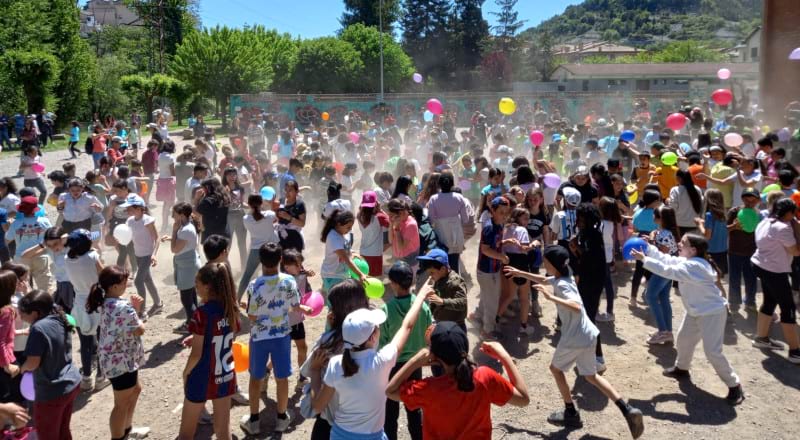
(426, 37)
(219, 62)
(281, 53)
(148, 88)
(470, 30)
(327, 65)
(108, 96)
(36, 72)
(508, 23)
(79, 66)
(168, 22)
(367, 13)
(397, 66)
(542, 57)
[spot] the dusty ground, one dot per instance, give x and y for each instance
(674, 410)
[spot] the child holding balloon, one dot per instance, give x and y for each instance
(338, 238)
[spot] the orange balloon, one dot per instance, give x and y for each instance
(241, 356)
(325, 116)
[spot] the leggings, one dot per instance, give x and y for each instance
(124, 252)
(37, 183)
(253, 262)
(590, 292)
(189, 301)
(73, 150)
(236, 225)
(609, 287)
(145, 279)
(453, 260)
(88, 351)
(777, 292)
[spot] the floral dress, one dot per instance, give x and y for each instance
(120, 350)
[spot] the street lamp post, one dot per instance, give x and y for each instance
(380, 29)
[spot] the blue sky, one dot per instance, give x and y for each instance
(315, 18)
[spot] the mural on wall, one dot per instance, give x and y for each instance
(574, 106)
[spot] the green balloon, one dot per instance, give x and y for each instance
(669, 158)
(374, 288)
(362, 265)
(769, 188)
(748, 219)
(71, 320)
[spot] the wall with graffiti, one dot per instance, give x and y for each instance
(305, 109)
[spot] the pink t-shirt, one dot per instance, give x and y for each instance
(410, 233)
(772, 239)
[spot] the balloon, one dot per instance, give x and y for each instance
(769, 188)
(676, 121)
(722, 96)
(354, 137)
(26, 386)
(325, 116)
(633, 197)
(633, 243)
(315, 301)
(374, 288)
(361, 264)
(748, 219)
(339, 167)
(267, 193)
(428, 116)
(537, 137)
(551, 180)
(507, 106)
(241, 356)
(417, 78)
(464, 184)
(669, 158)
(38, 167)
(71, 320)
(796, 199)
(733, 139)
(628, 135)
(435, 106)
(123, 234)
(795, 55)
(723, 73)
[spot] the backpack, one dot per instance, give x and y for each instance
(88, 146)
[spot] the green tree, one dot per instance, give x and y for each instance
(470, 30)
(147, 89)
(36, 72)
(79, 67)
(219, 62)
(397, 66)
(328, 65)
(426, 37)
(367, 12)
(107, 95)
(168, 22)
(281, 53)
(508, 23)
(541, 56)
(687, 52)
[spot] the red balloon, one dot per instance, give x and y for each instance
(237, 142)
(722, 96)
(537, 137)
(676, 121)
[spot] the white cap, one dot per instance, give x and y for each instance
(572, 196)
(359, 325)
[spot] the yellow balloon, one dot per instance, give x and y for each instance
(507, 106)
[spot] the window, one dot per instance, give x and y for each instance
(681, 81)
(624, 82)
(585, 85)
(562, 88)
(754, 53)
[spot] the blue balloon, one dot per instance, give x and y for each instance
(428, 116)
(267, 193)
(633, 243)
(628, 136)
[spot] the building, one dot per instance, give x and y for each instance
(580, 51)
(99, 13)
(748, 50)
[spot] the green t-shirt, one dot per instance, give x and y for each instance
(396, 310)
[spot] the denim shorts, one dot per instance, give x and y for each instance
(279, 350)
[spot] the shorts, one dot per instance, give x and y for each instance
(279, 350)
(125, 381)
(298, 332)
(565, 358)
(521, 262)
(375, 265)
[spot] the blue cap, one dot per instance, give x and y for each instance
(436, 255)
(133, 200)
(497, 201)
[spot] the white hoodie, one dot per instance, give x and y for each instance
(697, 278)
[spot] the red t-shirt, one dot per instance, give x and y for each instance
(449, 414)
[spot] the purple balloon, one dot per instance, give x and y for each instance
(551, 180)
(26, 387)
(417, 78)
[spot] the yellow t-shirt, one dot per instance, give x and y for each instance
(665, 177)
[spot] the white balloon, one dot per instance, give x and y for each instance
(123, 234)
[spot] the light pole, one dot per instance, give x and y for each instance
(380, 30)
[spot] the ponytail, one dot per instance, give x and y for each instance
(96, 297)
(254, 201)
(463, 372)
(349, 366)
(217, 276)
(110, 276)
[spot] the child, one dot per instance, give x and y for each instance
(490, 259)
(184, 169)
(133, 138)
(516, 245)
(292, 261)
(359, 376)
(21, 328)
(403, 232)
(612, 218)
(54, 240)
(448, 302)
(715, 229)
(74, 138)
(577, 343)
(348, 181)
(150, 166)
(643, 225)
(270, 299)
(99, 187)
(209, 374)
(338, 238)
(373, 223)
(8, 286)
(705, 307)
(741, 246)
(120, 347)
(145, 247)
(383, 191)
(658, 287)
(401, 278)
(563, 225)
(458, 403)
(260, 224)
(27, 232)
(185, 260)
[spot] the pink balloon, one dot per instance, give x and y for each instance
(733, 139)
(315, 301)
(354, 137)
(537, 137)
(722, 96)
(38, 167)
(435, 106)
(676, 121)
(723, 73)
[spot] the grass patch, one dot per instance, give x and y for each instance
(51, 146)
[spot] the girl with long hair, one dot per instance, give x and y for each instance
(338, 238)
(687, 201)
(116, 214)
(643, 226)
(166, 184)
(431, 187)
(611, 219)
(212, 202)
(185, 259)
(8, 286)
(121, 353)
(236, 193)
(292, 218)
(516, 245)
(260, 223)
(145, 247)
(538, 230)
(713, 226)
(402, 188)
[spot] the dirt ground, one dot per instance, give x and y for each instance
(676, 410)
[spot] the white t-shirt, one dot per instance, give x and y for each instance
(362, 397)
(331, 266)
(82, 272)
(261, 231)
(188, 234)
(607, 226)
(341, 205)
(10, 202)
(371, 238)
(165, 160)
(143, 242)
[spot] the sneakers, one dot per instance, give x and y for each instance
(605, 317)
(101, 382)
(676, 372)
(240, 398)
(566, 419)
(751, 307)
(139, 432)
(282, 424)
(735, 395)
(526, 331)
(661, 338)
(250, 427)
(205, 418)
(183, 328)
(767, 343)
(87, 383)
(635, 422)
(794, 356)
(156, 309)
